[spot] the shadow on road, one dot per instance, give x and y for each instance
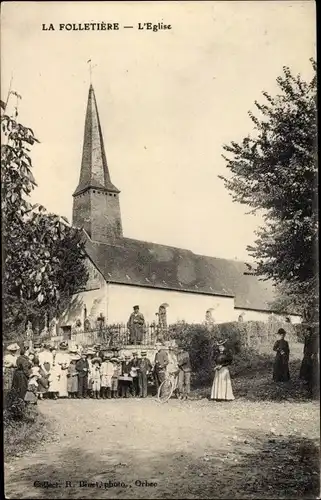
(255, 466)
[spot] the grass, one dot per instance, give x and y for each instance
(252, 381)
(24, 434)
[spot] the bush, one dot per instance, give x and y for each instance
(24, 427)
(247, 342)
(15, 408)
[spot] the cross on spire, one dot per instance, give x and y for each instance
(91, 67)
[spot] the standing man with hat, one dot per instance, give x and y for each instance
(145, 367)
(184, 374)
(161, 362)
(126, 379)
(82, 368)
(136, 326)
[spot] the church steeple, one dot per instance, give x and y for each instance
(96, 199)
(94, 169)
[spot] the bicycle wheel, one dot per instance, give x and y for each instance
(165, 391)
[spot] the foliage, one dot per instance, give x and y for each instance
(24, 428)
(250, 344)
(15, 407)
(43, 257)
(275, 171)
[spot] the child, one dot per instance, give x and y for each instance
(31, 394)
(72, 379)
(114, 379)
(126, 379)
(43, 377)
(107, 372)
(95, 375)
(54, 378)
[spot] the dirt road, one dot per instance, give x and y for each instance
(199, 449)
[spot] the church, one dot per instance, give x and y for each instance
(124, 272)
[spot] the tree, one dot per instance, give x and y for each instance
(43, 257)
(275, 171)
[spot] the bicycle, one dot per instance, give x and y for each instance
(167, 387)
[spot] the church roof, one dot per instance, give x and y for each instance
(94, 171)
(140, 263)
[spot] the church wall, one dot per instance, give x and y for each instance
(190, 307)
(251, 315)
(116, 301)
(93, 298)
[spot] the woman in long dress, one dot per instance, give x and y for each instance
(54, 377)
(63, 360)
(21, 375)
(222, 386)
(9, 365)
(72, 377)
(281, 363)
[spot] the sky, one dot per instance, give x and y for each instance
(168, 102)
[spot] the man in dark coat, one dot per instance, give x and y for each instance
(184, 374)
(145, 367)
(160, 364)
(136, 326)
(82, 368)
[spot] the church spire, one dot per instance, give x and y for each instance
(94, 171)
(96, 200)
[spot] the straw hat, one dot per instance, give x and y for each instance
(13, 347)
(74, 357)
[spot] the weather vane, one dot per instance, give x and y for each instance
(91, 67)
